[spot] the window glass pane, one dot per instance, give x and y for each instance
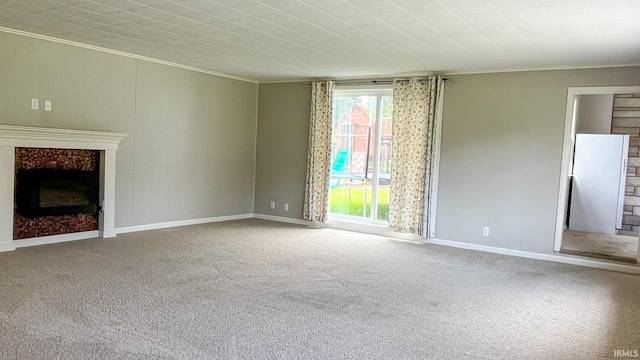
(355, 143)
(350, 187)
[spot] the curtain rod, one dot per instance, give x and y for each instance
(376, 82)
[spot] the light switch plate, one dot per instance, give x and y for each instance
(47, 105)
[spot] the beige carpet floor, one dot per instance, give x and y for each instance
(602, 246)
(255, 289)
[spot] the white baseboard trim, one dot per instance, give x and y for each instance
(53, 239)
(383, 231)
(373, 229)
(546, 257)
(108, 234)
(165, 225)
(285, 220)
(7, 247)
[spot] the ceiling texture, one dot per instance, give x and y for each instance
(279, 40)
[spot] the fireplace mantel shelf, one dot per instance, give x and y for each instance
(24, 136)
(12, 137)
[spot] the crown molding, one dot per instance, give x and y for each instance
(537, 68)
(125, 54)
(307, 79)
(455, 72)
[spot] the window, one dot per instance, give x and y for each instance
(361, 154)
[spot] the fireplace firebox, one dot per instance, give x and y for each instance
(56, 192)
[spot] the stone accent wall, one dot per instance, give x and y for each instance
(626, 120)
(62, 159)
(24, 228)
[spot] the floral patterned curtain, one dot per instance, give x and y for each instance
(414, 117)
(316, 198)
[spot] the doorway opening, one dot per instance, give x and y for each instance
(599, 199)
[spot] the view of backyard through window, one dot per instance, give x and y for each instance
(361, 154)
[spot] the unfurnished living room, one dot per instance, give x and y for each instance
(319, 179)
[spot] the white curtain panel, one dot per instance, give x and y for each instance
(316, 199)
(414, 118)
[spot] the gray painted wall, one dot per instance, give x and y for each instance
(501, 149)
(191, 149)
(192, 146)
(594, 114)
(283, 138)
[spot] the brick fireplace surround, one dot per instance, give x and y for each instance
(12, 137)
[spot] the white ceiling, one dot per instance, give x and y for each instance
(272, 40)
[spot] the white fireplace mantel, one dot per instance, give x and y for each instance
(22, 136)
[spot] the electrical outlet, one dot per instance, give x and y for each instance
(485, 231)
(273, 205)
(286, 207)
(34, 104)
